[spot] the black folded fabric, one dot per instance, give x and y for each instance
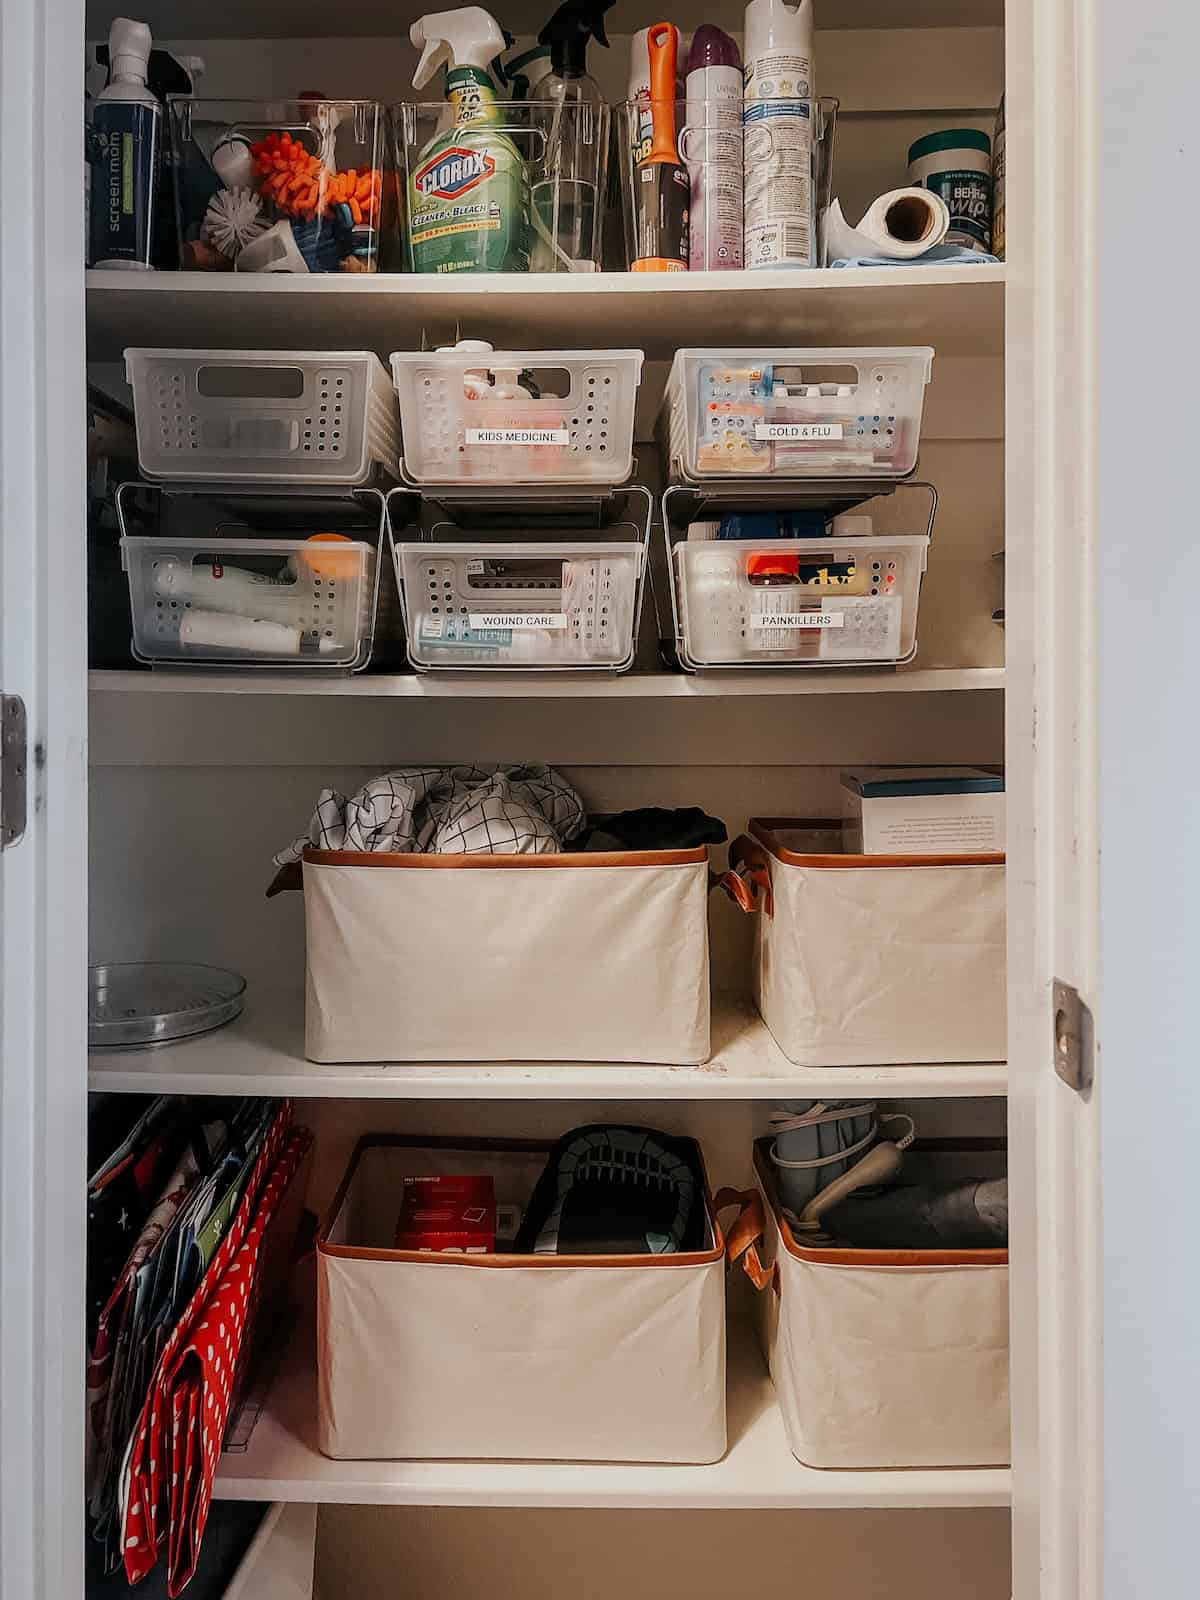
(967, 1215)
(653, 828)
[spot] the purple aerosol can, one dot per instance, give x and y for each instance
(711, 149)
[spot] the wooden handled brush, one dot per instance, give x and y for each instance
(662, 188)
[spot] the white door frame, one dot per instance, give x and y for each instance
(43, 878)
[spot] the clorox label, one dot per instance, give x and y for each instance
(453, 172)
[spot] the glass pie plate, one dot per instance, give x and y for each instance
(153, 1002)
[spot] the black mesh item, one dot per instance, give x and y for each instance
(615, 1190)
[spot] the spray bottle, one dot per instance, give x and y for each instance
(711, 148)
(468, 195)
(125, 147)
(567, 200)
(778, 134)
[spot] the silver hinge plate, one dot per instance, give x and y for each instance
(1072, 1042)
(14, 765)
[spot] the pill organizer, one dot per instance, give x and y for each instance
(795, 413)
(517, 416)
(253, 416)
(797, 602)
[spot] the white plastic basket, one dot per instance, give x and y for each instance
(471, 417)
(789, 413)
(820, 602)
(255, 416)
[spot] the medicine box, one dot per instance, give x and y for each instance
(906, 811)
(447, 1215)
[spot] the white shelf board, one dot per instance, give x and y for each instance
(758, 1471)
(959, 310)
(551, 686)
(262, 1052)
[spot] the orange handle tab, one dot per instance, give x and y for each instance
(663, 46)
(741, 1241)
(748, 876)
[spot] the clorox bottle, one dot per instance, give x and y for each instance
(468, 193)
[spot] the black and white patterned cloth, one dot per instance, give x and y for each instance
(515, 811)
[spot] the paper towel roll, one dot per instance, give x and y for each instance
(900, 225)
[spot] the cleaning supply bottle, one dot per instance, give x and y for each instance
(712, 150)
(468, 195)
(125, 147)
(568, 198)
(778, 116)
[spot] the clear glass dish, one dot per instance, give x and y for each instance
(153, 1002)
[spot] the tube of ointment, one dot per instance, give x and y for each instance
(218, 630)
(217, 585)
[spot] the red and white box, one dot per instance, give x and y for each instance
(448, 1216)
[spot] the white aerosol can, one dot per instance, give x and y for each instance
(778, 110)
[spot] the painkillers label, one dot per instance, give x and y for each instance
(555, 621)
(518, 436)
(798, 619)
(798, 432)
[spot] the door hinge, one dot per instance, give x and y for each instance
(14, 765)
(1072, 1041)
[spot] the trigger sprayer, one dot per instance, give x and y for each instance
(567, 195)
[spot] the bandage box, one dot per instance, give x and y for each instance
(448, 1216)
(920, 811)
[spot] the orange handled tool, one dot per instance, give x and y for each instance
(662, 200)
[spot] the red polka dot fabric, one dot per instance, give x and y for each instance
(166, 1488)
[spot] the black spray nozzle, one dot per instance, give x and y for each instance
(571, 29)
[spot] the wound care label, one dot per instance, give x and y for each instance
(761, 620)
(554, 621)
(798, 432)
(518, 436)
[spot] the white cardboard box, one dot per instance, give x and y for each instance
(913, 811)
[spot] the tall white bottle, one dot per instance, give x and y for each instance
(778, 127)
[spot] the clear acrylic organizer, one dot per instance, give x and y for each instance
(833, 413)
(207, 588)
(557, 600)
(517, 416)
(263, 416)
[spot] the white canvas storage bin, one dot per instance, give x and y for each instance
(570, 957)
(791, 413)
(466, 418)
(259, 416)
(530, 1357)
(872, 960)
(880, 1358)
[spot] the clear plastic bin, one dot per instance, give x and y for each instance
(221, 595)
(795, 413)
(559, 599)
(281, 186)
(517, 416)
(819, 602)
(263, 416)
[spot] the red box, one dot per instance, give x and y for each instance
(448, 1216)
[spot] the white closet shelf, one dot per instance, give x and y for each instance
(554, 686)
(282, 1462)
(262, 1052)
(958, 309)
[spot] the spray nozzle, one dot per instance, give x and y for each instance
(571, 29)
(469, 37)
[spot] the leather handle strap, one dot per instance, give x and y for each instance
(742, 1238)
(749, 876)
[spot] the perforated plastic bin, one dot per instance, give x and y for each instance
(795, 413)
(559, 600)
(254, 416)
(215, 596)
(821, 602)
(517, 416)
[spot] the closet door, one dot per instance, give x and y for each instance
(43, 873)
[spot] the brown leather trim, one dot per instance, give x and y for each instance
(826, 1256)
(765, 828)
(351, 1252)
(598, 858)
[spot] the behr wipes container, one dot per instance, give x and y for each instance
(255, 416)
(477, 415)
(872, 960)
(880, 1358)
(571, 957)
(518, 1357)
(795, 413)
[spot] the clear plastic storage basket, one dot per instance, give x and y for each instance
(517, 416)
(263, 416)
(795, 413)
